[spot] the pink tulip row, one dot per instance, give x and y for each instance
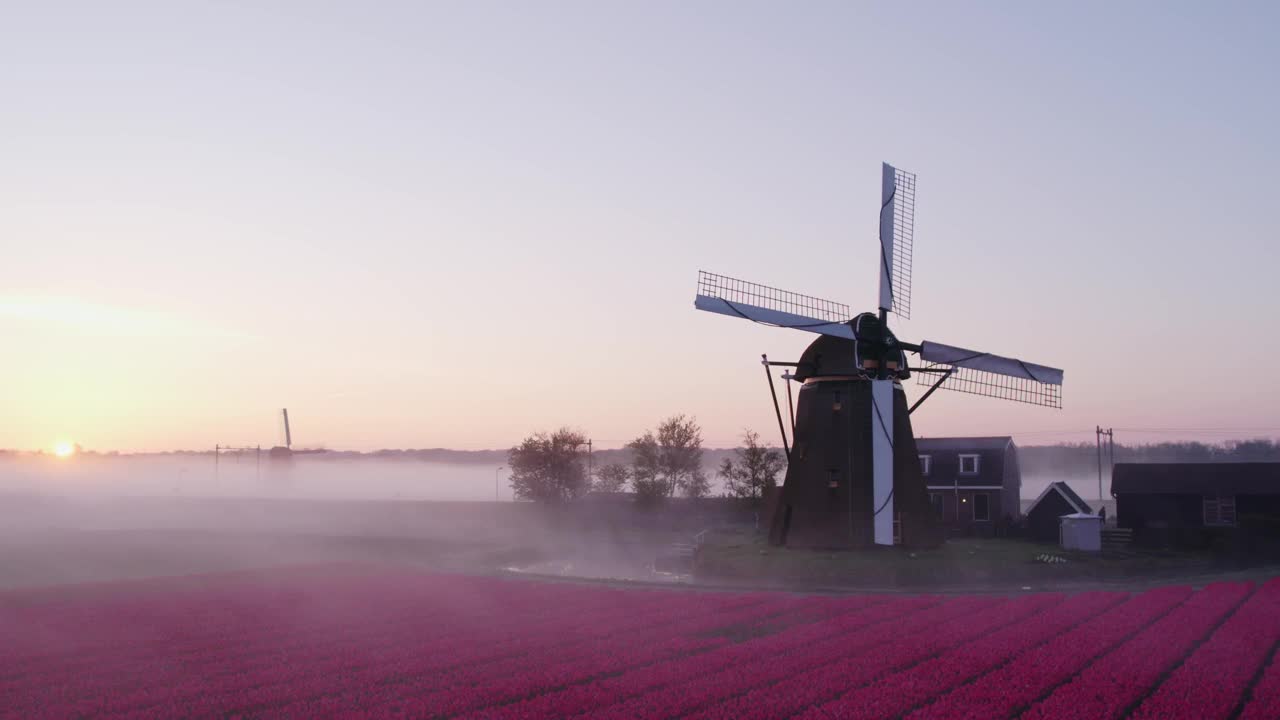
(278, 682)
(801, 640)
(1263, 703)
(527, 676)
(469, 686)
(147, 664)
(735, 660)
(205, 619)
(264, 683)
(900, 692)
(1214, 678)
(890, 648)
(1032, 674)
(1114, 682)
(262, 619)
(382, 642)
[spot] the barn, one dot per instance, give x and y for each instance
(1045, 514)
(1194, 504)
(974, 483)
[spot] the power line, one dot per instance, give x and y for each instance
(1157, 431)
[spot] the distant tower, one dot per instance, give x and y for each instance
(284, 452)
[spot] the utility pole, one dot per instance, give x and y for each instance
(1111, 449)
(497, 471)
(590, 475)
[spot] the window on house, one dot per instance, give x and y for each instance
(981, 507)
(926, 463)
(1220, 510)
(968, 464)
(935, 501)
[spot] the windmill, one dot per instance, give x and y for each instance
(853, 475)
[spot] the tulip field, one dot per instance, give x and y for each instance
(373, 642)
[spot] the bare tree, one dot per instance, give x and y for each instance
(646, 469)
(549, 467)
(670, 460)
(680, 456)
(612, 478)
(755, 468)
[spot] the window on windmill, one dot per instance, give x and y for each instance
(925, 462)
(835, 405)
(968, 464)
(833, 479)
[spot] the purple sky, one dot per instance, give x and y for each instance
(451, 224)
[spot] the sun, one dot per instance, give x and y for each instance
(64, 449)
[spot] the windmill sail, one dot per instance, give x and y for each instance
(980, 373)
(771, 306)
(960, 357)
(897, 238)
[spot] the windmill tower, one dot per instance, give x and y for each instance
(853, 474)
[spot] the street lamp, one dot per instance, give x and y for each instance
(496, 472)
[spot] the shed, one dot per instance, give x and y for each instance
(1043, 516)
(1081, 531)
(1194, 503)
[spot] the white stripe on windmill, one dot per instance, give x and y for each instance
(866, 454)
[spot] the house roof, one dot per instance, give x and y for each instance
(944, 464)
(963, 443)
(1063, 489)
(1196, 479)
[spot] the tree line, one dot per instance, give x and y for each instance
(1082, 458)
(664, 462)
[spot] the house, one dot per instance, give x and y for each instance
(1045, 514)
(974, 483)
(1193, 503)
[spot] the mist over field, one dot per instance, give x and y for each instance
(96, 517)
(241, 475)
(316, 477)
(451, 475)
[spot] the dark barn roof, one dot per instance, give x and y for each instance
(1069, 495)
(1196, 479)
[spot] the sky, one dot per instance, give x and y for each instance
(451, 224)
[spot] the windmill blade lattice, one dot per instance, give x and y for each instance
(995, 385)
(903, 217)
(771, 306)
